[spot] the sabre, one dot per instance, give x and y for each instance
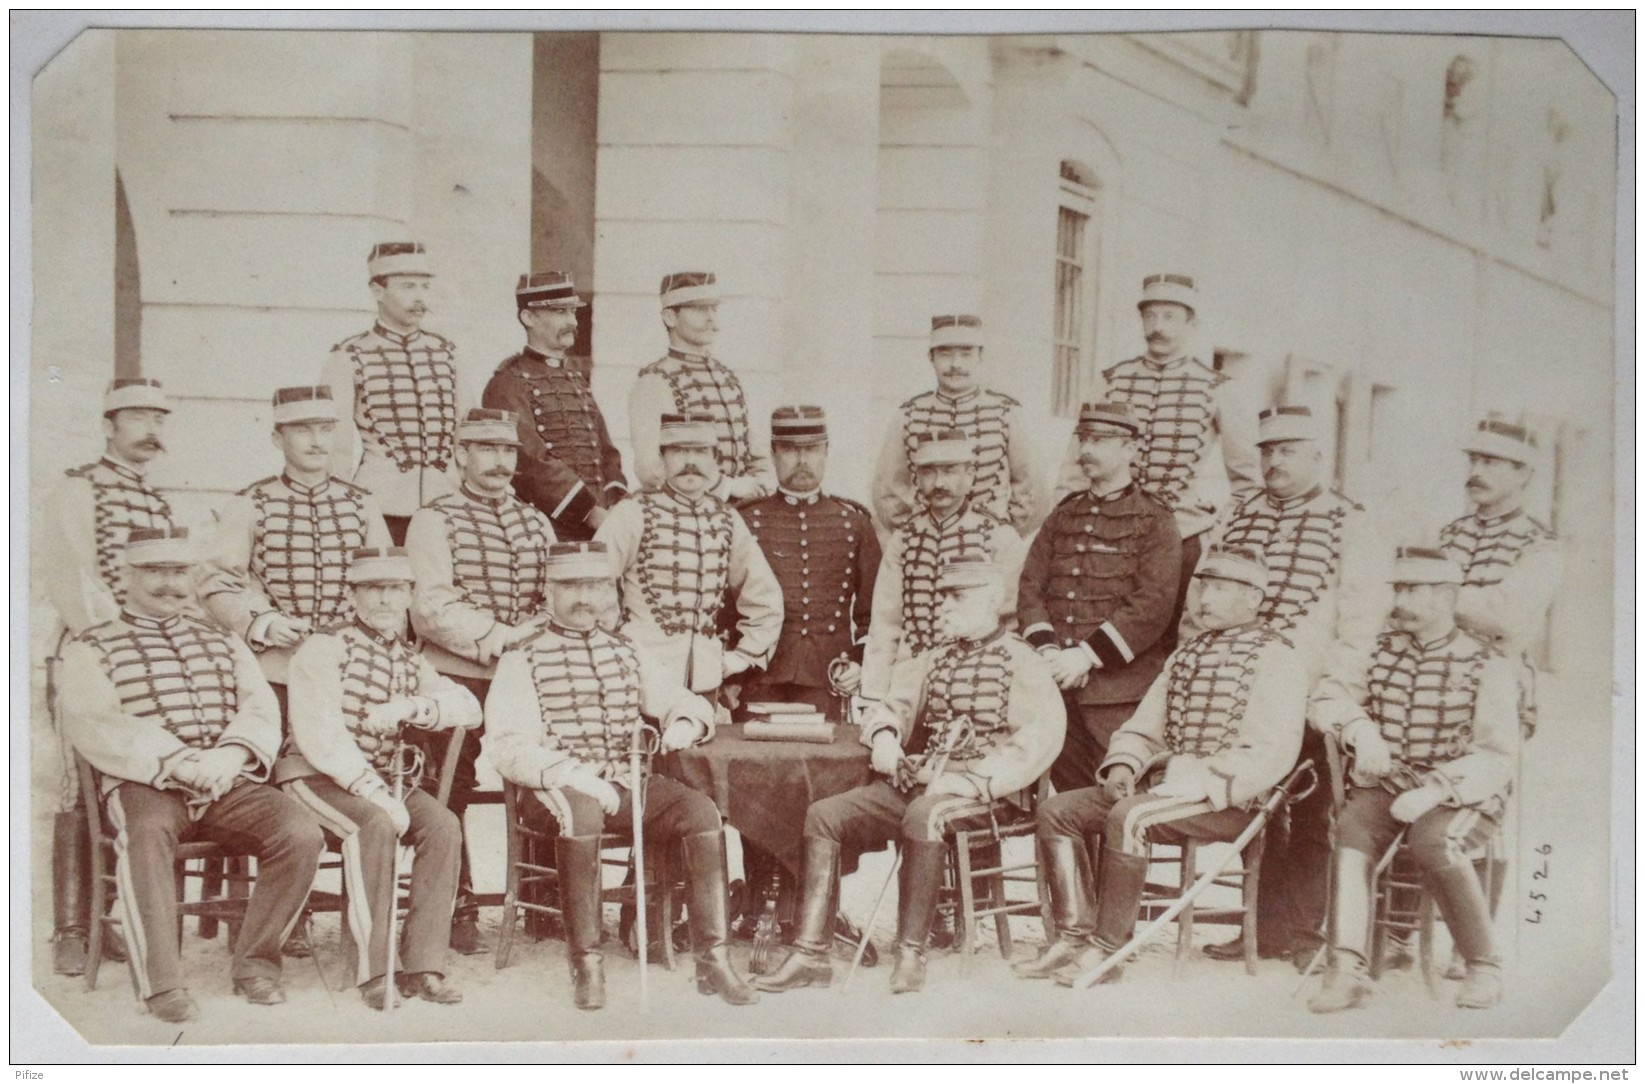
(1281, 794)
(958, 733)
(407, 761)
(636, 750)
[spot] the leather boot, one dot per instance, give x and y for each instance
(808, 964)
(1346, 984)
(1494, 873)
(1466, 912)
(1119, 896)
(917, 888)
(577, 860)
(710, 918)
(1069, 879)
(71, 892)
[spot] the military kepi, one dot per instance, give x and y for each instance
(1175, 289)
(308, 403)
(379, 564)
(1502, 440)
(1286, 423)
(799, 425)
(687, 431)
(547, 290)
(1419, 564)
(158, 547)
(134, 393)
(481, 426)
(398, 258)
(689, 288)
(1106, 419)
(578, 561)
(1234, 563)
(956, 331)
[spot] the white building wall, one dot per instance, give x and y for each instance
(693, 173)
(254, 212)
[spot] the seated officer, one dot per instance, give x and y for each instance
(994, 722)
(352, 688)
(1433, 724)
(561, 719)
(179, 719)
(1218, 727)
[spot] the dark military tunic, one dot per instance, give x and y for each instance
(1102, 573)
(568, 465)
(824, 552)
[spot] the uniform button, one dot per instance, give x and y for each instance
(802, 514)
(1079, 548)
(1070, 594)
(842, 597)
(805, 601)
(831, 628)
(805, 632)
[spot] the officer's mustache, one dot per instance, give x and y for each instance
(685, 471)
(1157, 336)
(1476, 483)
(1400, 614)
(170, 592)
(152, 443)
(500, 472)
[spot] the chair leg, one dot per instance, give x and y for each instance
(1425, 943)
(1189, 857)
(961, 850)
(1002, 921)
(1250, 890)
(211, 888)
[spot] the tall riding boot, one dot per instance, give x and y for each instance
(71, 898)
(1346, 984)
(577, 860)
(710, 918)
(1119, 897)
(808, 964)
(1462, 903)
(917, 890)
(1068, 875)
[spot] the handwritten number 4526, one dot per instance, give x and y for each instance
(1540, 873)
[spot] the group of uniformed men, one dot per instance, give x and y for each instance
(1192, 615)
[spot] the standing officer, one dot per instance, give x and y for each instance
(81, 543)
(352, 688)
(569, 469)
(825, 555)
(400, 382)
(1510, 561)
(1327, 594)
(1195, 449)
(178, 719)
(993, 722)
(1433, 726)
(1006, 486)
(904, 622)
(687, 380)
(561, 720)
(1097, 591)
(479, 559)
(275, 569)
(1219, 726)
(679, 555)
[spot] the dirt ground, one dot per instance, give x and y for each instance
(530, 999)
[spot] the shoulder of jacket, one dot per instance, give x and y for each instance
(854, 507)
(913, 401)
(1272, 636)
(1128, 363)
(1207, 373)
(96, 634)
(354, 342)
(259, 484)
(1346, 501)
(81, 471)
(1001, 397)
(1545, 532)
(757, 504)
(440, 339)
(201, 624)
(655, 368)
(351, 488)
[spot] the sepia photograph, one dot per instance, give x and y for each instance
(601, 535)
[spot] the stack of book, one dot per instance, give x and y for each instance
(787, 722)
